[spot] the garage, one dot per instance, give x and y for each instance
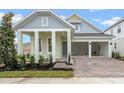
(79, 48)
(93, 49)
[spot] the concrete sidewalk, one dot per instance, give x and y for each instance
(84, 80)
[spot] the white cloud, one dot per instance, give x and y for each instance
(16, 17)
(1, 15)
(64, 17)
(95, 10)
(97, 20)
(111, 21)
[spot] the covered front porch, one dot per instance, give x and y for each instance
(46, 42)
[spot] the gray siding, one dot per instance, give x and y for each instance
(36, 22)
(86, 28)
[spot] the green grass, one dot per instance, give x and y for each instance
(36, 74)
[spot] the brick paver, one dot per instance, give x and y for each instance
(98, 67)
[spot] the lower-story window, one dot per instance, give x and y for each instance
(115, 45)
(49, 45)
(40, 44)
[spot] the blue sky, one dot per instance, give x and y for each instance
(101, 18)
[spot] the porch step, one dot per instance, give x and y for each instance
(62, 65)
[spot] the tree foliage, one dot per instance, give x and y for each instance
(7, 35)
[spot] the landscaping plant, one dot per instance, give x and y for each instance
(41, 60)
(22, 61)
(32, 61)
(113, 54)
(7, 36)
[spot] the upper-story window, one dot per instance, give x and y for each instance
(111, 31)
(44, 21)
(77, 27)
(119, 29)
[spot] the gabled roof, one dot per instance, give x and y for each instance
(119, 21)
(42, 11)
(86, 22)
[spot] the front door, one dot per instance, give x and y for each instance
(64, 48)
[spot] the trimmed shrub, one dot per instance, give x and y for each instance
(122, 58)
(116, 55)
(113, 54)
(32, 61)
(22, 61)
(41, 60)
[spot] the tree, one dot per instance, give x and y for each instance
(7, 35)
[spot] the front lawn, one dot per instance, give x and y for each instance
(36, 74)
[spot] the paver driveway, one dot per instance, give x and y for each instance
(98, 67)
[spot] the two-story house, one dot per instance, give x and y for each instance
(117, 30)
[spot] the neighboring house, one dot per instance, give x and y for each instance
(26, 48)
(51, 34)
(117, 30)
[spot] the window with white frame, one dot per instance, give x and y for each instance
(49, 45)
(44, 21)
(111, 31)
(40, 44)
(115, 45)
(77, 27)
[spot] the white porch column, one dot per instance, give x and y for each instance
(54, 46)
(68, 44)
(109, 49)
(20, 43)
(89, 44)
(32, 44)
(36, 34)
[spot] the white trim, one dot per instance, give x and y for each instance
(109, 49)
(68, 44)
(90, 40)
(42, 19)
(92, 37)
(45, 29)
(53, 45)
(90, 49)
(36, 36)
